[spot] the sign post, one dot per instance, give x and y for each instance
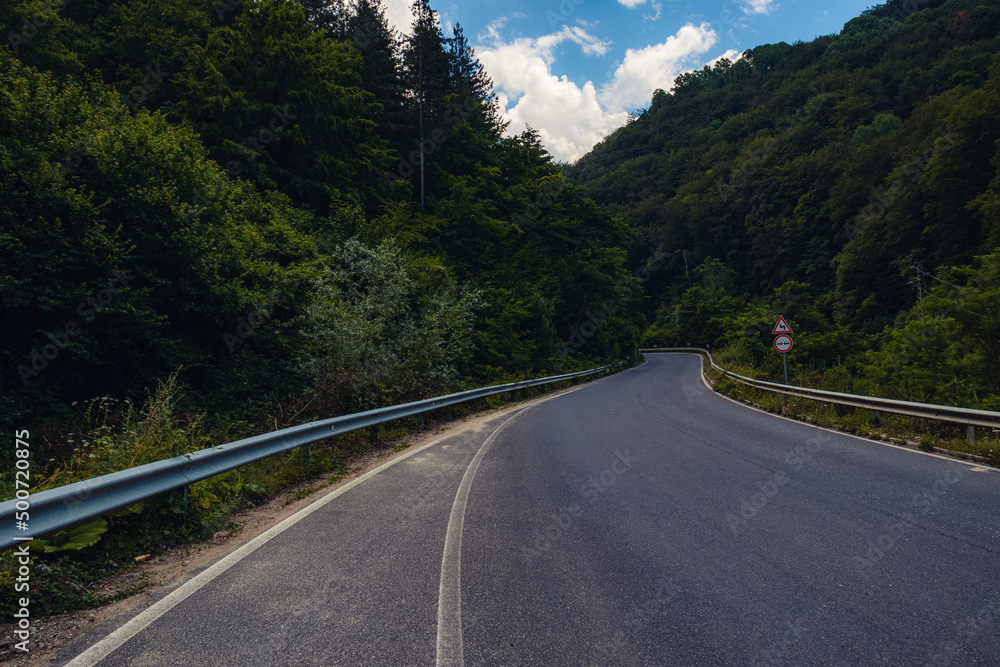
(783, 342)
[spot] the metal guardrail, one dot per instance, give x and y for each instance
(58, 508)
(971, 418)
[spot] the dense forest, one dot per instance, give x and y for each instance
(280, 202)
(851, 184)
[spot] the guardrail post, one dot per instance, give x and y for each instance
(308, 452)
(875, 413)
(970, 434)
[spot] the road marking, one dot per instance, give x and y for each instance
(106, 646)
(449, 634)
(450, 652)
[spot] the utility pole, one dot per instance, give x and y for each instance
(921, 290)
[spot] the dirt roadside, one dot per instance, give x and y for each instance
(171, 568)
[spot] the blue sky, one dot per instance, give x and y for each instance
(573, 69)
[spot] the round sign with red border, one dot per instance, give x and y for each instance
(783, 343)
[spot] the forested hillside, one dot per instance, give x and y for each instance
(285, 203)
(850, 183)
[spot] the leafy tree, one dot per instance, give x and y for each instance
(368, 322)
(834, 165)
(975, 309)
(39, 33)
(702, 314)
(884, 123)
(330, 16)
(128, 249)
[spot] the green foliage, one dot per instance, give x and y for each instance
(116, 438)
(59, 589)
(947, 348)
(701, 314)
(205, 251)
(884, 123)
(154, 246)
(74, 538)
(870, 150)
(369, 323)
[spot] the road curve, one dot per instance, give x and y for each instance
(637, 520)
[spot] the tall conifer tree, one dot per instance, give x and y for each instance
(426, 70)
(330, 16)
(379, 46)
(470, 82)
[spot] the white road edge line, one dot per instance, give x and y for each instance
(450, 651)
(106, 646)
(972, 464)
(449, 630)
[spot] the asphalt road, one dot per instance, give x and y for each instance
(637, 520)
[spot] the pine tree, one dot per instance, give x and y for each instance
(425, 66)
(379, 46)
(278, 102)
(469, 80)
(330, 16)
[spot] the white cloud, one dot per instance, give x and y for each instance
(591, 45)
(544, 46)
(759, 6)
(449, 18)
(497, 24)
(493, 29)
(658, 9)
(570, 118)
(645, 70)
(631, 4)
(399, 15)
(731, 54)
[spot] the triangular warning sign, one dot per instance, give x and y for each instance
(781, 327)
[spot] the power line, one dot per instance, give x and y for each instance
(931, 275)
(887, 289)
